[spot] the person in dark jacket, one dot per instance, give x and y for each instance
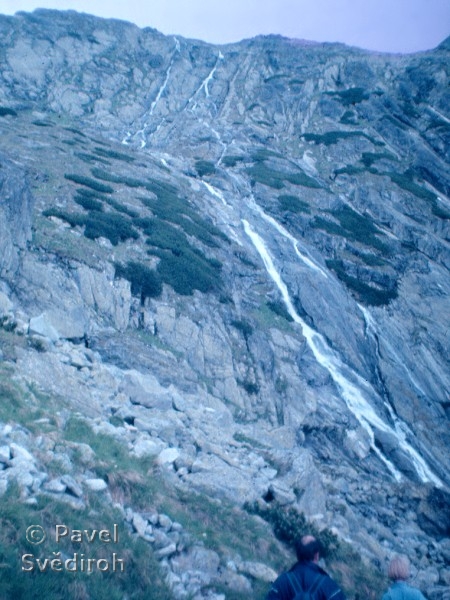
(305, 574)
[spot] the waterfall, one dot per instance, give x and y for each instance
(353, 387)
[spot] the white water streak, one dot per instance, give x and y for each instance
(205, 82)
(212, 190)
(141, 132)
(309, 262)
(351, 393)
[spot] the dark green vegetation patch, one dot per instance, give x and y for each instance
(351, 96)
(273, 178)
(333, 137)
(90, 183)
(293, 204)
(352, 226)
(204, 167)
(367, 294)
(145, 282)
(5, 111)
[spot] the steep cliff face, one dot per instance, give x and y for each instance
(236, 260)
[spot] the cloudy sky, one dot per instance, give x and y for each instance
(383, 25)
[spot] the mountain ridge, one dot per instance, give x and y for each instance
(235, 258)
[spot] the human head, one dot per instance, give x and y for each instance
(307, 549)
(399, 568)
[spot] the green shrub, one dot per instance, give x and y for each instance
(279, 308)
(368, 158)
(205, 167)
(171, 208)
(351, 96)
(106, 176)
(89, 203)
(87, 158)
(333, 137)
(165, 236)
(188, 270)
(292, 204)
(349, 170)
(4, 111)
(145, 282)
(349, 118)
(406, 182)
(367, 294)
(90, 183)
(353, 226)
(250, 387)
(261, 173)
(74, 219)
(243, 326)
(231, 160)
(121, 208)
(108, 153)
(113, 227)
(41, 123)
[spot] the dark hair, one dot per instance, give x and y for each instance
(306, 548)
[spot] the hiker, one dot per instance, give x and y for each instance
(305, 577)
(399, 572)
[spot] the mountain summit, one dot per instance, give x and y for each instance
(224, 302)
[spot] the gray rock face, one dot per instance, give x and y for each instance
(244, 268)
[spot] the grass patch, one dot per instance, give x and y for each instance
(141, 570)
(267, 318)
(224, 527)
(279, 308)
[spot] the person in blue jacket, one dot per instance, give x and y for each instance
(399, 572)
(306, 575)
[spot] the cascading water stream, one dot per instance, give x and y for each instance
(351, 385)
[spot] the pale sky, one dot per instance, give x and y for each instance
(383, 25)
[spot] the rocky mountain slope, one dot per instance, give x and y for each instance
(224, 290)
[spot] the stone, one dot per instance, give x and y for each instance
(56, 486)
(167, 551)
(96, 485)
(147, 447)
(257, 570)
(139, 524)
(72, 486)
(168, 456)
(5, 454)
(6, 305)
